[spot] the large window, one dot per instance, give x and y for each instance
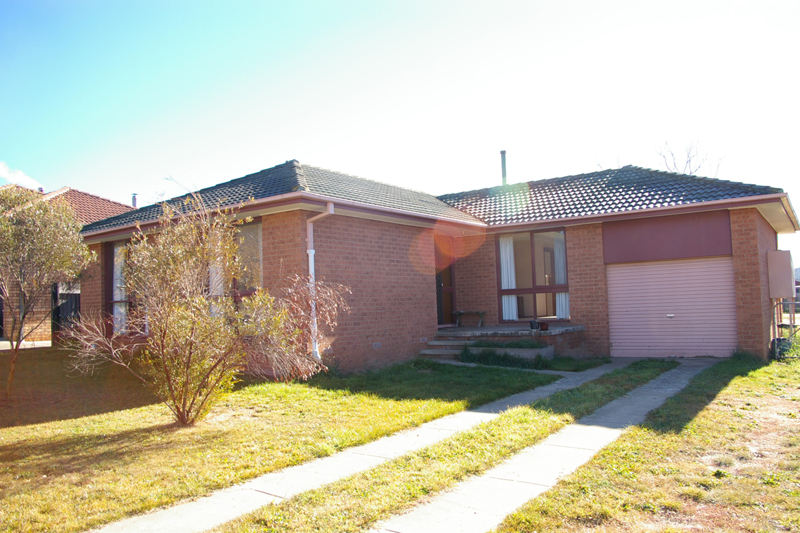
(533, 275)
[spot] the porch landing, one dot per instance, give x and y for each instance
(507, 331)
(449, 341)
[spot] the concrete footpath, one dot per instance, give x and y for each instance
(482, 502)
(208, 512)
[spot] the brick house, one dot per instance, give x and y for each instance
(88, 208)
(644, 262)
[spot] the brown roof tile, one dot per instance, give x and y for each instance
(89, 207)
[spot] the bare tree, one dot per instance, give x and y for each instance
(40, 245)
(186, 333)
(689, 162)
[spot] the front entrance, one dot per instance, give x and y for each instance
(445, 286)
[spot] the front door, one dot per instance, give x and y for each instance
(445, 287)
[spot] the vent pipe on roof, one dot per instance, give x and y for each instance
(41, 190)
(503, 159)
(133, 200)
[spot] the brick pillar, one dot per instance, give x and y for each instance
(92, 293)
(751, 238)
(588, 287)
(476, 277)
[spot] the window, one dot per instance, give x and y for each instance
(250, 257)
(119, 299)
(533, 275)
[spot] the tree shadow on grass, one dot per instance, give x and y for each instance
(44, 389)
(427, 380)
(673, 415)
(679, 410)
(43, 461)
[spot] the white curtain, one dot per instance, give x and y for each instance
(120, 306)
(562, 298)
(508, 277)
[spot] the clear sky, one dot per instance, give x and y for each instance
(153, 97)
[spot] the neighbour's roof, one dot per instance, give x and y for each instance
(611, 191)
(89, 207)
(293, 176)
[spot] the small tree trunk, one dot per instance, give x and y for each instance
(16, 343)
(14, 353)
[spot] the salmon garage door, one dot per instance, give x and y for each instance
(684, 308)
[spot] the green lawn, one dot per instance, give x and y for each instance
(356, 503)
(77, 452)
(722, 455)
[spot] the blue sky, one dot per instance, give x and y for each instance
(154, 98)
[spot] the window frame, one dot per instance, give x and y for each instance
(239, 294)
(534, 289)
(110, 302)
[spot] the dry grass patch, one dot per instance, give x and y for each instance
(722, 455)
(78, 470)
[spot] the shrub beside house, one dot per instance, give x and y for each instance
(648, 262)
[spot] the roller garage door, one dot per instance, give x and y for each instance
(683, 308)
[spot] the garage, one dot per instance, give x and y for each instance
(682, 308)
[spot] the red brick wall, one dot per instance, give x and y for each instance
(588, 288)
(40, 333)
(91, 298)
(92, 293)
(284, 245)
(752, 237)
(476, 279)
(390, 271)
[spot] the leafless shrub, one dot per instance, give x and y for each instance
(187, 334)
(306, 302)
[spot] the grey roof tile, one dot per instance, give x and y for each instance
(293, 176)
(619, 190)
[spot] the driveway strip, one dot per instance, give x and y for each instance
(205, 513)
(482, 502)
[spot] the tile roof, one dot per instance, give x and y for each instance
(89, 207)
(619, 190)
(293, 176)
(611, 191)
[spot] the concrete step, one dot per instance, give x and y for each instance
(441, 353)
(450, 342)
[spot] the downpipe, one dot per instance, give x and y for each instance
(312, 278)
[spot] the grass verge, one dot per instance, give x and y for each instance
(75, 471)
(491, 357)
(357, 502)
(722, 455)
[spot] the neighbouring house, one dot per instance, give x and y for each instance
(638, 262)
(88, 208)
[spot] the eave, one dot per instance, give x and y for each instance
(306, 201)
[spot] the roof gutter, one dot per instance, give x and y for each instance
(787, 207)
(312, 278)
